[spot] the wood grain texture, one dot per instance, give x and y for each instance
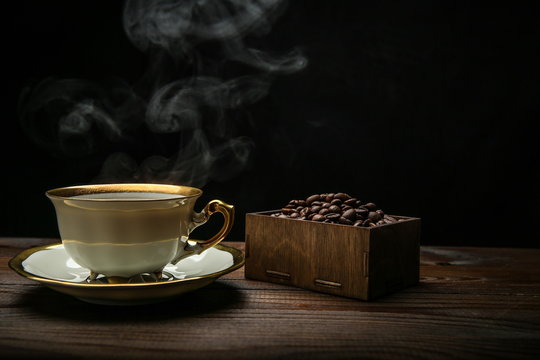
(358, 262)
(470, 303)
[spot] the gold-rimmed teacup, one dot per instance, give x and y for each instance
(123, 230)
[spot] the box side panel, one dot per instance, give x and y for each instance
(394, 257)
(339, 256)
(323, 257)
(274, 250)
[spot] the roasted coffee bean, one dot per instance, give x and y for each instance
(324, 211)
(334, 209)
(333, 216)
(360, 217)
(342, 196)
(350, 202)
(373, 216)
(316, 209)
(362, 212)
(370, 206)
(350, 214)
(312, 198)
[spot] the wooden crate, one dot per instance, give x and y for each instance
(357, 262)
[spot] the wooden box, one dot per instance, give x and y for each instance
(357, 262)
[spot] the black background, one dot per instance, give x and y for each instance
(427, 108)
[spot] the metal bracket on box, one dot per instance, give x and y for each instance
(278, 274)
(325, 283)
(365, 269)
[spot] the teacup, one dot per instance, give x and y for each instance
(123, 230)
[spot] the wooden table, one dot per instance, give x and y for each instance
(471, 303)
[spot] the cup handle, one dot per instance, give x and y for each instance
(214, 206)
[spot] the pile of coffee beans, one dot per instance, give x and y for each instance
(337, 208)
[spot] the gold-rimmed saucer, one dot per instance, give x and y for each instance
(52, 266)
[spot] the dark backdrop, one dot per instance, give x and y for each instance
(427, 108)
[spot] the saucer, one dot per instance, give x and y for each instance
(53, 267)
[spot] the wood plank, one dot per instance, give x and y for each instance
(284, 323)
(24, 243)
(499, 306)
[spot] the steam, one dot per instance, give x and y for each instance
(74, 116)
(179, 105)
(177, 26)
(79, 116)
